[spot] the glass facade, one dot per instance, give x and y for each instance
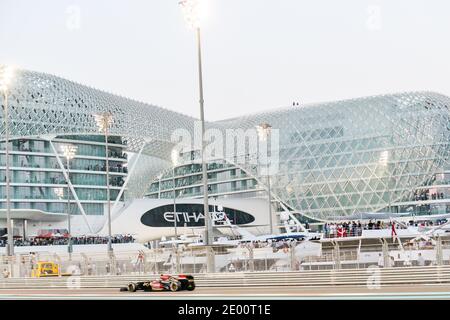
(373, 154)
(224, 180)
(376, 154)
(38, 182)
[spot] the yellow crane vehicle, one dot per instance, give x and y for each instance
(47, 269)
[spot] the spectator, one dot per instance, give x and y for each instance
(420, 260)
(380, 260)
(6, 273)
(407, 262)
(392, 262)
(89, 269)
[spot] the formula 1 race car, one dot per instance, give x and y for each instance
(164, 283)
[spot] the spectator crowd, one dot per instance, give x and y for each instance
(54, 241)
(354, 228)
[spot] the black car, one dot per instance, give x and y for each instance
(164, 283)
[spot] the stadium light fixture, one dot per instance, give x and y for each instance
(7, 74)
(264, 130)
(69, 151)
(104, 122)
(174, 156)
(193, 10)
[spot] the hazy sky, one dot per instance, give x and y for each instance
(258, 54)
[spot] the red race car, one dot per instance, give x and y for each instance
(164, 283)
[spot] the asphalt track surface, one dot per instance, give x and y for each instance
(302, 293)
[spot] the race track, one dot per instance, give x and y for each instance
(387, 292)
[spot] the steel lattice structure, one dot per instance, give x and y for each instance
(45, 105)
(358, 155)
(336, 158)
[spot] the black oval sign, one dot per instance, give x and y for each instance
(191, 215)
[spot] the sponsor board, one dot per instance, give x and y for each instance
(191, 215)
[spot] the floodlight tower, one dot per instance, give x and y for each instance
(6, 77)
(104, 121)
(192, 11)
(69, 152)
(264, 130)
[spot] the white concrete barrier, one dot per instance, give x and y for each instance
(360, 277)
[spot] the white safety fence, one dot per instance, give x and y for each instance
(372, 277)
(291, 257)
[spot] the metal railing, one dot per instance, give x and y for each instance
(324, 278)
(286, 257)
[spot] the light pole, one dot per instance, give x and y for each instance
(175, 215)
(6, 76)
(264, 130)
(104, 121)
(69, 152)
(191, 9)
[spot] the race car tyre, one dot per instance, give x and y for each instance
(173, 286)
(132, 287)
(190, 287)
(147, 288)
